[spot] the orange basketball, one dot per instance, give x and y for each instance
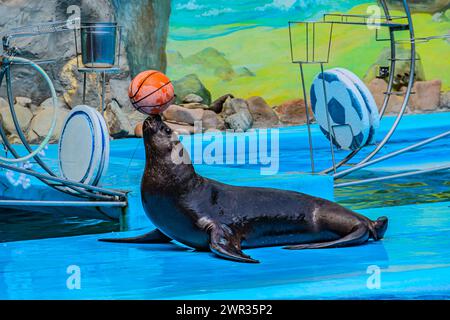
(151, 92)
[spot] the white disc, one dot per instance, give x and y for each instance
(349, 117)
(105, 142)
(371, 105)
(83, 146)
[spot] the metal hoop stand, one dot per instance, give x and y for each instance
(393, 24)
(93, 196)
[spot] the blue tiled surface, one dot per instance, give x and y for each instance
(414, 259)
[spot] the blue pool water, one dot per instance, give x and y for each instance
(127, 163)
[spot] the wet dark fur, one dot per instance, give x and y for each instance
(209, 215)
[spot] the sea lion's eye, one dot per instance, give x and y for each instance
(168, 130)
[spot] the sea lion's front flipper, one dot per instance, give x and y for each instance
(227, 245)
(359, 236)
(154, 236)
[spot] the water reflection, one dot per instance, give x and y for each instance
(429, 188)
(21, 225)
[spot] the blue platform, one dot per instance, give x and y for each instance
(414, 259)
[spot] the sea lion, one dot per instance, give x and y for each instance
(208, 215)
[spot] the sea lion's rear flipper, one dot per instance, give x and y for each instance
(227, 245)
(154, 236)
(359, 236)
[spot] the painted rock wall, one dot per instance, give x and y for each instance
(430, 6)
(146, 26)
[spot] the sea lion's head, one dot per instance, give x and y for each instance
(165, 151)
(158, 136)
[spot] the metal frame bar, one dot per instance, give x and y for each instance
(74, 191)
(393, 154)
(38, 175)
(394, 176)
(389, 88)
(408, 89)
(393, 27)
(359, 19)
(39, 203)
(340, 126)
(328, 118)
(308, 119)
(70, 187)
(307, 45)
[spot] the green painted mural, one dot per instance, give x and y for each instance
(242, 47)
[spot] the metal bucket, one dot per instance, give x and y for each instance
(98, 44)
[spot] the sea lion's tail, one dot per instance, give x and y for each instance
(379, 228)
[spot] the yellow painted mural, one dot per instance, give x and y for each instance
(242, 47)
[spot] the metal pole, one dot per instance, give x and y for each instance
(38, 203)
(84, 87)
(308, 120)
(393, 59)
(328, 118)
(408, 89)
(393, 154)
(400, 175)
(389, 89)
(63, 181)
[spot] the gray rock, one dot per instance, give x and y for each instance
(136, 117)
(195, 106)
(23, 101)
(72, 82)
(40, 125)
(293, 112)
(146, 25)
(445, 100)
(48, 103)
(378, 87)
(427, 96)
(236, 114)
(192, 98)
(217, 105)
(234, 105)
(14, 139)
(181, 129)
(262, 114)
(240, 121)
(191, 84)
(118, 124)
(24, 116)
(211, 121)
(119, 93)
(182, 115)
